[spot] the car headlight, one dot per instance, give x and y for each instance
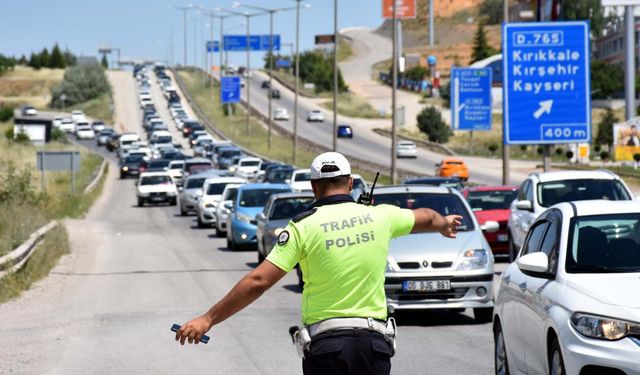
(600, 327)
(171, 193)
(232, 169)
(392, 266)
(245, 218)
(210, 205)
(473, 260)
(125, 168)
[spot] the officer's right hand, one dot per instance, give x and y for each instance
(451, 226)
(193, 330)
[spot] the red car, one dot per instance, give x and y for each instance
(491, 203)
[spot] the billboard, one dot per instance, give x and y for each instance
(626, 139)
(404, 9)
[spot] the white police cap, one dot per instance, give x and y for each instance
(329, 164)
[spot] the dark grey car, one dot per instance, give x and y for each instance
(280, 208)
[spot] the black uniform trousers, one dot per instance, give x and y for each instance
(348, 352)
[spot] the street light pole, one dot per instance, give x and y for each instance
(295, 104)
(248, 81)
(394, 82)
(506, 152)
(184, 15)
(335, 75)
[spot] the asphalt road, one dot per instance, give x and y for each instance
(107, 307)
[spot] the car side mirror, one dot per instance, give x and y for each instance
(534, 264)
(524, 205)
(260, 216)
(180, 188)
(490, 226)
(228, 205)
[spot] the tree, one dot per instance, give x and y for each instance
(492, 11)
(481, 47)
(607, 80)
(45, 58)
(430, 122)
(104, 62)
(69, 58)
(317, 69)
(592, 10)
(605, 128)
(417, 73)
(23, 60)
(34, 61)
(57, 59)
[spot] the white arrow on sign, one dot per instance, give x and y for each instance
(545, 107)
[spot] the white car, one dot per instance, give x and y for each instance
(78, 116)
(542, 190)
(211, 194)
(57, 121)
(300, 180)
(248, 168)
(228, 196)
(569, 303)
(315, 116)
(281, 114)
(406, 149)
(156, 187)
(67, 125)
(84, 131)
(175, 171)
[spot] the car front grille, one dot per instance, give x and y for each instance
(456, 293)
(425, 264)
(158, 194)
(408, 265)
(441, 264)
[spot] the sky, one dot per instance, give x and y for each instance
(143, 28)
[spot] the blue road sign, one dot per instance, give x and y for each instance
(230, 90)
(283, 63)
(213, 46)
(238, 43)
(471, 99)
(547, 87)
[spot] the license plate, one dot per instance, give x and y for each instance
(157, 199)
(503, 238)
(426, 285)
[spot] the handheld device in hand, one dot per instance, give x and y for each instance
(367, 198)
(204, 339)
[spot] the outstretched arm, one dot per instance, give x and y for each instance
(428, 220)
(247, 290)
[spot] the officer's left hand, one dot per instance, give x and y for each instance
(452, 224)
(194, 330)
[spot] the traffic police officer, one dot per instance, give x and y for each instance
(342, 248)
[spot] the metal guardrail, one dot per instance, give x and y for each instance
(97, 178)
(308, 145)
(431, 146)
(18, 257)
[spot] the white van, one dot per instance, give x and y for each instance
(160, 136)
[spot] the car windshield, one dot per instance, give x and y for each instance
(193, 169)
(164, 139)
(444, 204)
(279, 175)
(195, 183)
(553, 192)
(216, 189)
(302, 176)
(158, 164)
(257, 197)
(491, 199)
(193, 166)
(176, 166)
(604, 243)
(358, 184)
(133, 159)
(155, 180)
(287, 208)
(229, 154)
(249, 163)
(232, 194)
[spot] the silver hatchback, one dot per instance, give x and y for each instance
(429, 271)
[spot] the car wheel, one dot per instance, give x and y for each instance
(182, 211)
(500, 352)
(483, 314)
(200, 223)
(140, 202)
(219, 233)
(556, 362)
(123, 176)
(173, 202)
(512, 248)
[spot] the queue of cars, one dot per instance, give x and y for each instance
(78, 125)
(565, 305)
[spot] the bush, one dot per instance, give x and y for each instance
(569, 154)
(80, 84)
(492, 11)
(604, 155)
(58, 135)
(559, 151)
(636, 157)
(6, 113)
(445, 94)
(597, 148)
(416, 73)
(317, 69)
(523, 148)
(605, 128)
(493, 147)
(540, 150)
(430, 122)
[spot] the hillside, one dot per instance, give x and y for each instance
(456, 22)
(25, 85)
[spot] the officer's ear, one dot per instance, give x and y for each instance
(350, 184)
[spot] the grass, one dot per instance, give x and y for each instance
(345, 50)
(25, 85)
(289, 80)
(353, 106)
(45, 256)
(100, 108)
(234, 128)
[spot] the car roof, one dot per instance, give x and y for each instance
(250, 158)
(198, 160)
(300, 194)
(265, 186)
(150, 174)
(600, 207)
(406, 143)
(306, 170)
(236, 180)
(456, 160)
(412, 189)
(208, 173)
(575, 175)
(415, 180)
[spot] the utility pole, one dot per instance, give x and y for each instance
(394, 82)
(431, 36)
(184, 15)
(505, 148)
(335, 75)
(295, 102)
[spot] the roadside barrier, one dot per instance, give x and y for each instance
(17, 258)
(97, 178)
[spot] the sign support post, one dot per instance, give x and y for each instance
(506, 152)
